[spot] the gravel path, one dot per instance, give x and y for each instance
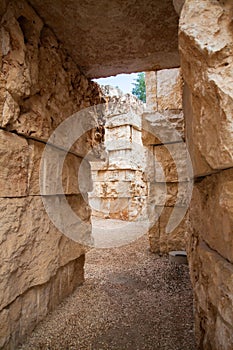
(131, 300)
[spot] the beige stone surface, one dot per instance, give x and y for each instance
(171, 162)
(32, 248)
(126, 30)
(151, 91)
(42, 85)
(213, 195)
(162, 241)
(213, 297)
(170, 194)
(169, 89)
(14, 165)
(162, 127)
(205, 41)
(73, 174)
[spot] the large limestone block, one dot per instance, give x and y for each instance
(41, 85)
(132, 35)
(212, 278)
(170, 194)
(200, 165)
(212, 212)
(122, 132)
(205, 41)
(119, 189)
(14, 153)
(169, 89)
(30, 244)
(172, 163)
(162, 241)
(162, 127)
(151, 91)
(74, 171)
(126, 104)
(130, 118)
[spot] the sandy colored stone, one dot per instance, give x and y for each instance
(162, 127)
(43, 84)
(213, 297)
(130, 118)
(169, 89)
(161, 240)
(170, 194)
(130, 46)
(34, 243)
(213, 195)
(151, 91)
(5, 328)
(14, 165)
(205, 41)
(172, 163)
(73, 174)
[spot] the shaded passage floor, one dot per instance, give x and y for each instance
(132, 299)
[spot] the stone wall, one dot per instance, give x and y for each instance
(40, 86)
(119, 189)
(206, 49)
(163, 135)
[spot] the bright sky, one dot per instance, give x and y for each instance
(123, 81)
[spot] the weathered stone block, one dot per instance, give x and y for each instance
(160, 238)
(172, 162)
(72, 169)
(213, 195)
(162, 127)
(169, 89)
(28, 236)
(151, 91)
(14, 165)
(209, 82)
(170, 194)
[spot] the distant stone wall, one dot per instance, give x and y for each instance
(119, 189)
(40, 86)
(163, 134)
(206, 49)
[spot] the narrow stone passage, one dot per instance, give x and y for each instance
(132, 299)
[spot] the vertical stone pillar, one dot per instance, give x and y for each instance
(119, 189)
(163, 135)
(205, 40)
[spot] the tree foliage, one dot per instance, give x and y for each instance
(139, 89)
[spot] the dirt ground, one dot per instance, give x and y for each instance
(131, 300)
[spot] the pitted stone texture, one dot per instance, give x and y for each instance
(212, 212)
(213, 296)
(73, 174)
(41, 85)
(169, 89)
(162, 127)
(151, 91)
(37, 250)
(14, 153)
(207, 65)
(135, 36)
(171, 163)
(162, 241)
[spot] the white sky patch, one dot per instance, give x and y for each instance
(123, 81)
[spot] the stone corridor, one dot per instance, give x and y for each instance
(131, 300)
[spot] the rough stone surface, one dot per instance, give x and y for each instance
(168, 170)
(40, 86)
(207, 65)
(135, 36)
(205, 38)
(119, 189)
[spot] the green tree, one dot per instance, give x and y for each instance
(139, 89)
